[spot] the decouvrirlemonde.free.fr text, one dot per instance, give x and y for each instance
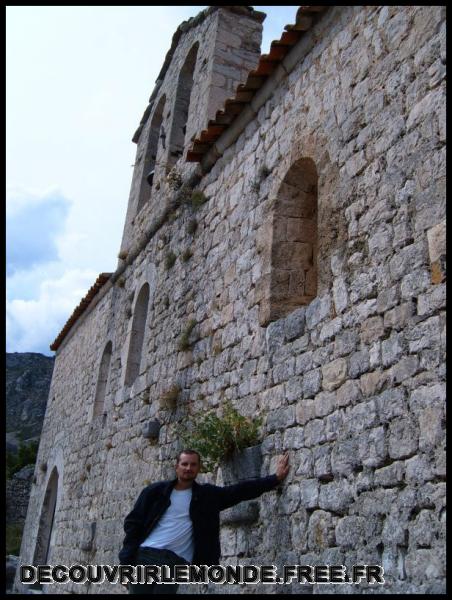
(198, 574)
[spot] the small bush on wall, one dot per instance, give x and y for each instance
(216, 438)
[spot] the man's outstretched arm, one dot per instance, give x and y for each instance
(252, 488)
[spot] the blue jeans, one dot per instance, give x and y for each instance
(156, 556)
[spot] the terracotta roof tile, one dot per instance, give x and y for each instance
(255, 80)
(84, 303)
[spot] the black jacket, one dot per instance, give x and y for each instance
(206, 503)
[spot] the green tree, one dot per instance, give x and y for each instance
(26, 455)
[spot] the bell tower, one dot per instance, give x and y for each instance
(209, 56)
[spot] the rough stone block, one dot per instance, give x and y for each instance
(293, 389)
(336, 496)
(399, 317)
(371, 329)
(334, 374)
(406, 260)
(305, 465)
(388, 298)
(419, 469)
(356, 164)
(372, 447)
(354, 531)
(324, 404)
(309, 491)
(430, 104)
(405, 368)
(293, 438)
(391, 403)
(362, 416)
(322, 461)
(329, 330)
(428, 396)
(431, 427)
(358, 363)
(391, 350)
(314, 433)
(423, 563)
(334, 425)
(424, 530)
(320, 530)
(348, 393)
(295, 324)
(281, 418)
(305, 411)
(414, 284)
(340, 294)
(311, 383)
(284, 371)
(391, 475)
(303, 363)
(345, 343)
(394, 531)
(317, 311)
(344, 457)
(403, 438)
(372, 383)
(432, 301)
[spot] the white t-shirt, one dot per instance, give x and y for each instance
(174, 531)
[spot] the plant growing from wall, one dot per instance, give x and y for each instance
(183, 195)
(184, 343)
(170, 259)
(217, 438)
(174, 179)
(262, 174)
(192, 226)
(197, 199)
(187, 254)
(169, 397)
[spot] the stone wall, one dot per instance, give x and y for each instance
(17, 495)
(352, 383)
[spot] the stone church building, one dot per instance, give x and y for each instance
(283, 251)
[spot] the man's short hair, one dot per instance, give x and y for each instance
(188, 451)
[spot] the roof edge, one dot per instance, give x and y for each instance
(101, 280)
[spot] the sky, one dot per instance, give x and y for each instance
(78, 79)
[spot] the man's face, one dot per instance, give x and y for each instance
(188, 467)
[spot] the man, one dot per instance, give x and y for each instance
(178, 521)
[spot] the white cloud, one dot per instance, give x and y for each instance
(33, 222)
(32, 325)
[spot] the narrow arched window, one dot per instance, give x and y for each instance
(181, 107)
(154, 149)
(46, 519)
(102, 381)
(293, 281)
(137, 335)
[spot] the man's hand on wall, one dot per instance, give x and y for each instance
(283, 467)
